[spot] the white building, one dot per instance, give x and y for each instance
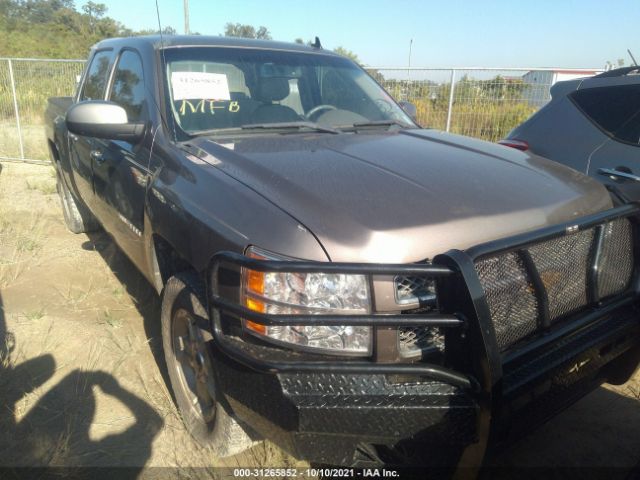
(539, 82)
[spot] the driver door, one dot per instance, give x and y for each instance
(80, 147)
(120, 168)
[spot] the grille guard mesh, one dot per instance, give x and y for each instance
(567, 266)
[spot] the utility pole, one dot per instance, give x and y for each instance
(186, 17)
(408, 70)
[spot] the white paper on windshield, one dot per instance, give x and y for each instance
(199, 85)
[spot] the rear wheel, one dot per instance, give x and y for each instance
(201, 404)
(76, 216)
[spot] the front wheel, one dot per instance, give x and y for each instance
(197, 395)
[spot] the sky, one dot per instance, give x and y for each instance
(489, 33)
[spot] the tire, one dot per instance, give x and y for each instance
(204, 412)
(77, 217)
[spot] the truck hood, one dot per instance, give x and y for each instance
(404, 196)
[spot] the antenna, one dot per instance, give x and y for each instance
(164, 61)
(317, 44)
(159, 24)
(633, 59)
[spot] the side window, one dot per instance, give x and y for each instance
(96, 81)
(128, 86)
(616, 110)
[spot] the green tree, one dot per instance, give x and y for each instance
(168, 30)
(55, 28)
(246, 31)
(347, 53)
(309, 43)
(95, 11)
(611, 65)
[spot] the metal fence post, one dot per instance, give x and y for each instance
(450, 110)
(15, 108)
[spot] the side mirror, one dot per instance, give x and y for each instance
(409, 108)
(101, 119)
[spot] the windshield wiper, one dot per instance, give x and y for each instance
(374, 123)
(290, 125)
(267, 126)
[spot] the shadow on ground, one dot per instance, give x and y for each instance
(144, 297)
(596, 438)
(55, 429)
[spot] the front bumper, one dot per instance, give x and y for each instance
(349, 419)
(351, 412)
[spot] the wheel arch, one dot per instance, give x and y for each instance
(166, 262)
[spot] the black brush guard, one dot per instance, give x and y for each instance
(463, 311)
(473, 359)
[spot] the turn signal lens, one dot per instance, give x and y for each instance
(255, 281)
(255, 285)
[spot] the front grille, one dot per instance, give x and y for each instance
(565, 266)
(410, 289)
(413, 341)
(616, 259)
(510, 296)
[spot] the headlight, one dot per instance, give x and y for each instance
(308, 294)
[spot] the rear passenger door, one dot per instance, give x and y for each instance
(120, 168)
(80, 147)
(616, 111)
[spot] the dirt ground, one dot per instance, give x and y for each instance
(82, 379)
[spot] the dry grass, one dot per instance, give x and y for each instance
(23, 229)
(33, 137)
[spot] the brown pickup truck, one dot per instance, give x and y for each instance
(334, 277)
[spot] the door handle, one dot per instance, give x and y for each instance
(97, 155)
(611, 172)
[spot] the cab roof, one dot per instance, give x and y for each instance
(158, 42)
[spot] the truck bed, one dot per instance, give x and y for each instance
(59, 105)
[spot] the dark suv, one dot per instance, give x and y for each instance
(592, 125)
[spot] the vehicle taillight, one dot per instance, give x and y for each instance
(517, 144)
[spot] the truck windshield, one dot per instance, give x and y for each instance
(214, 89)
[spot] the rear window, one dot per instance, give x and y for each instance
(615, 110)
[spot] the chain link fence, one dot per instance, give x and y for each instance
(25, 85)
(484, 103)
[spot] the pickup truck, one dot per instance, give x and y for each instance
(335, 278)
